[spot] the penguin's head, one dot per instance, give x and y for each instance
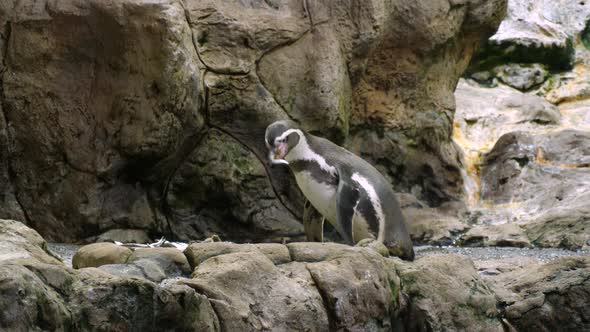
(281, 137)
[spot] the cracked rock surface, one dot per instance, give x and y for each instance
(297, 286)
(150, 115)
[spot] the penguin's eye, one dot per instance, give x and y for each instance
(282, 140)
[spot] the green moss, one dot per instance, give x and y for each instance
(394, 289)
(586, 36)
(491, 55)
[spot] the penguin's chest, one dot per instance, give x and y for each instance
(321, 194)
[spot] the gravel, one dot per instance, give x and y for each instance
(66, 252)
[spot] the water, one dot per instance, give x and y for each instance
(65, 251)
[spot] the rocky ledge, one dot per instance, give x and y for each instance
(222, 286)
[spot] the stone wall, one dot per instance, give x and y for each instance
(150, 115)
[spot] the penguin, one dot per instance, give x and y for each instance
(353, 196)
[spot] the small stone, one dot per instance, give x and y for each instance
(97, 254)
(504, 235)
(165, 256)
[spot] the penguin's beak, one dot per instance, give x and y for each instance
(278, 153)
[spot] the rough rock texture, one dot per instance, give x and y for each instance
(97, 254)
(40, 293)
(550, 189)
(313, 287)
(445, 293)
(546, 297)
(504, 235)
(124, 236)
(150, 115)
(93, 114)
(526, 152)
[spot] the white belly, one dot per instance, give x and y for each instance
(321, 195)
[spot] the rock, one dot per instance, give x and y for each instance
(445, 293)
(229, 187)
(277, 253)
(547, 189)
(200, 252)
(131, 303)
(536, 32)
(28, 304)
(38, 296)
(485, 114)
(167, 257)
(494, 267)
(522, 77)
(97, 254)
(97, 125)
(134, 270)
(249, 292)
(504, 235)
(124, 236)
(19, 244)
(430, 226)
(316, 251)
(197, 253)
(345, 280)
(312, 87)
(326, 287)
(97, 115)
(546, 297)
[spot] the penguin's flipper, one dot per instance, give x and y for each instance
(347, 197)
(313, 223)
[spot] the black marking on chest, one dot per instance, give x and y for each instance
(367, 210)
(317, 173)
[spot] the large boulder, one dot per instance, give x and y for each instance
(19, 244)
(298, 286)
(96, 96)
(101, 253)
(546, 297)
(150, 115)
(548, 189)
(446, 294)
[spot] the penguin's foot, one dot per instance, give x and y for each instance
(378, 246)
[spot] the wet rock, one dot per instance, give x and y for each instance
(445, 293)
(153, 273)
(166, 257)
(504, 235)
(124, 236)
(546, 297)
(97, 254)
